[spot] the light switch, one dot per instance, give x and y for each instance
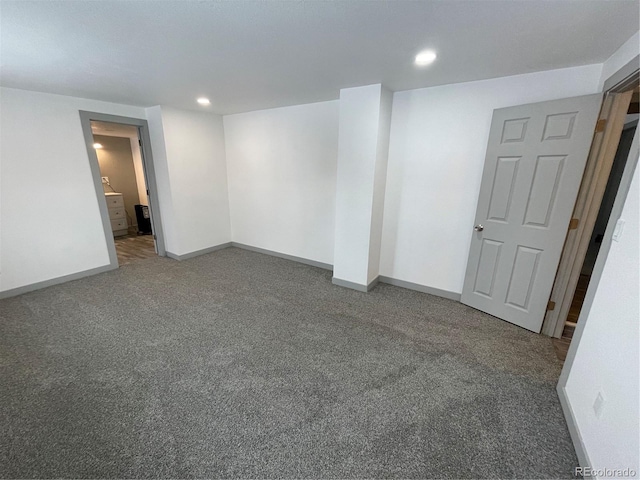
(617, 232)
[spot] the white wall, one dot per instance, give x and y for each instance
(380, 183)
(51, 224)
(620, 58)
(363, 140)
(189, 158)
(161, 168)
(436, 156)
(607, 357)
(139, 171)
(606, 360)
(282, 178)
(357, 149)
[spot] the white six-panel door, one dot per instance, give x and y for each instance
(536, 156)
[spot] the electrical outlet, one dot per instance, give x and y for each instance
(598, 405)
(105, 179)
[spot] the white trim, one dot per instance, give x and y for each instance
(572, 425)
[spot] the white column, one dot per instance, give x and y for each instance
(363, 147)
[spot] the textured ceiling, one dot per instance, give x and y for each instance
(253, 55)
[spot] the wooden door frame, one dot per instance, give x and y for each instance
(617, 91)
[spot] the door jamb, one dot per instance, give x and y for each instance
(603, 149)
(594, 182)
(150, 177)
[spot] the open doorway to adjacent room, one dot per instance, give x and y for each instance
(122, 173)
(604, 213)
(603, 180)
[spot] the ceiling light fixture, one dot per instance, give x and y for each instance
(97, 145)
(426, 57)
(204, 101)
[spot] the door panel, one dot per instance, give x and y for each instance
(523, 276)
(542, 194)
(533, 168)
(502, 190)
(489, 256)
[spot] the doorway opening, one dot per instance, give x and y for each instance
(121, 161)
(621, 124)
(123, 180)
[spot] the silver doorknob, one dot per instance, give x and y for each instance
(479, 228)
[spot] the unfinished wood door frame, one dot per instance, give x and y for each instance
(601, 156)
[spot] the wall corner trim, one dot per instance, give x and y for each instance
(420, 288)
(572, 425)
(197, 253)
(55, 281)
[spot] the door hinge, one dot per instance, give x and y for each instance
(139, 142)
(573, 224)
(600, 125)
(551, 305)
(154, 237)
(147, 192)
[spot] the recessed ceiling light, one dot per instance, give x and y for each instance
(204, 101)
(425, 58)
(97, 145)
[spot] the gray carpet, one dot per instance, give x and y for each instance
(238, 364)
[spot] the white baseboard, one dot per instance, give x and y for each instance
(576, 438)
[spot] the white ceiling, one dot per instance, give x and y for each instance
(248, 55)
